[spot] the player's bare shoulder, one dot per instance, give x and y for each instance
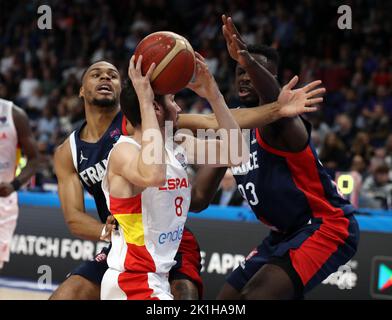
(63, 157)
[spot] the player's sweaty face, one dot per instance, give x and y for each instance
(101, 85)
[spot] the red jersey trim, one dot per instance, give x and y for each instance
(126, 205)
(319, 247)
(124, 126)
(277, 152)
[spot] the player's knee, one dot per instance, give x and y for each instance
(183, 289)
(76, 288)
(269, 283)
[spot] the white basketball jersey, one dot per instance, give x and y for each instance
(8, 163)
(8, 142)
(151, 224)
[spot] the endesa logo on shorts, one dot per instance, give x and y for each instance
(171, 236)
(175, 183)
(381, 282)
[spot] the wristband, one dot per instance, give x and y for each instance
(16, 184)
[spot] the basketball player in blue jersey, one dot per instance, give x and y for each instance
(313, 229)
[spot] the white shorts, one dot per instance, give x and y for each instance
(8, 217)
(126, 285)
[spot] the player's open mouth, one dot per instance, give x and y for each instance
(243, 92)
(105, 89)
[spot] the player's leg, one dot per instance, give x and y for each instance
(185, 279)
(263, 275)
(310, 256)
(184, 289)
(77, 288)
(228, 292)
(8, 218)
(276, 280)
(84, 283)
(271, 282)
(238, 279)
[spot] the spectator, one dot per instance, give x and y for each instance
(377, 189)
(47, 126)
(199, 106)
(28, 85)
(378, 126)
(344, 129)
(388, 150)
(228, 194)
(361, 146)
(333, 153)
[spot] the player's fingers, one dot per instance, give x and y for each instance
(224, 18)
(139, 63)
(131, 63)
(311, 85)
(315, 92)
(110, 220)
(309, 102)
(232, 27)
(291, 83)
(310, 109)
(239, 43)
(150, 70)
(227, 35)
(199, 56)
(108, 231)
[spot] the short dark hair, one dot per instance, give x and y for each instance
(270, 53)
(85, 70)
(129, 103)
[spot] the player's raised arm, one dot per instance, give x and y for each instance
(288, 133)
(263, 81)
(257, 117)
(205, 86)
(70, 191)
(129, 161)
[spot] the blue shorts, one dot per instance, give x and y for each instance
(308, 255)
(93, 270)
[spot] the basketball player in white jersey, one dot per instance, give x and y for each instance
(15, 133)
(150, 201)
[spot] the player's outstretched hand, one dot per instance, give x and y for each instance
(141, 83)
(236, 46)
(110, 226)
(204, 84)
(299, 101)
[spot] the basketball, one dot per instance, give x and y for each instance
(174, 58)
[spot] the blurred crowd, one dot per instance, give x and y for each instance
(40, 70)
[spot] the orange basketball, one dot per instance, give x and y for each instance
(174, 58)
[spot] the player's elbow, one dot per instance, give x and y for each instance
(199, 201)
(75, 227)
(157, 179)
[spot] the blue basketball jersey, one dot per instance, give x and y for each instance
(90, 160)
(287, 190)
